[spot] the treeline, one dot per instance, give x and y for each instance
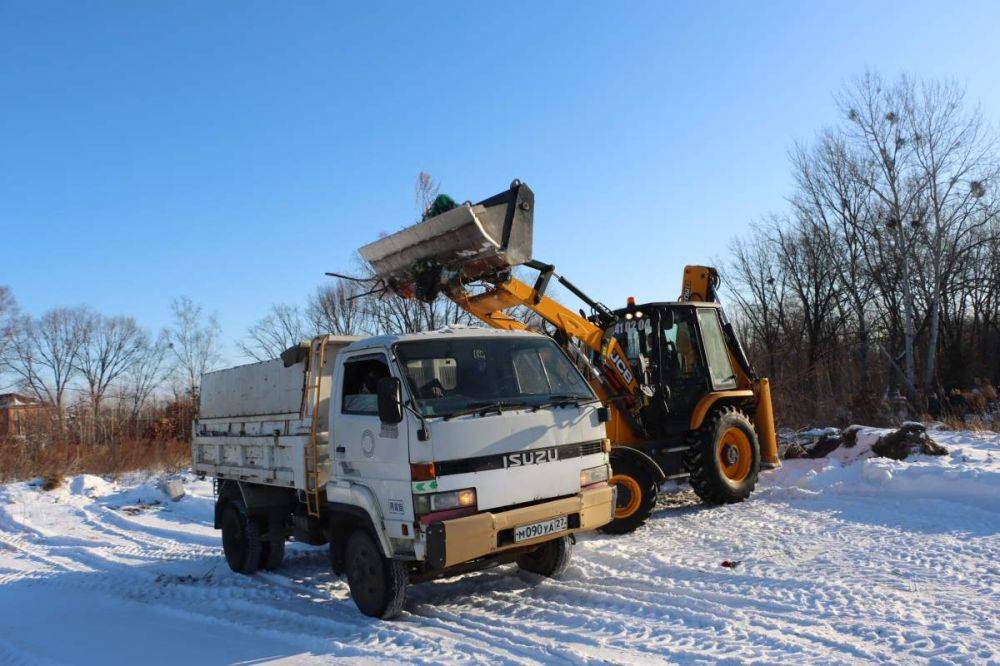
(98, 380)
(875, 294)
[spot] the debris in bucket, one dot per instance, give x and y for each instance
(442, 204)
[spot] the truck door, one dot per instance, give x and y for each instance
(364, 447)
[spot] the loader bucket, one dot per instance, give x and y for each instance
(475, 240)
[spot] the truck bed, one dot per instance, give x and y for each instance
(255, 421)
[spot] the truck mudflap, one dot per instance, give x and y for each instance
(453, 542)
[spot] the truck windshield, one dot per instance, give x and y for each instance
(450, 376)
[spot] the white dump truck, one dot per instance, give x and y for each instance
(413, 456)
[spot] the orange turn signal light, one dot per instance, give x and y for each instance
(606, 445)
(422, 471)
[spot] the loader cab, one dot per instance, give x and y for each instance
(678, 351)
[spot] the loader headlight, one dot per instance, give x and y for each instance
(455, 499)
(593, 475)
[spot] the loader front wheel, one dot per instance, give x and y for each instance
(724, 458)
(636, 495)
(241, 540)
(378, 584)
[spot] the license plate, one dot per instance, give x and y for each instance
(545, 527)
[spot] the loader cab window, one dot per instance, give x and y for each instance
(719, 366)
(361, 384)
(636, 338)
(681, 357)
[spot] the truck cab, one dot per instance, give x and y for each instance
(413, 456)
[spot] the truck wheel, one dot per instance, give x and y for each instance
(378, 584)
(272, 554)
(240, 539)
(550, 559)
(724, 458)
(637, 490)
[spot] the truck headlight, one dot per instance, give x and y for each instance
(455, 499)
(593, 475)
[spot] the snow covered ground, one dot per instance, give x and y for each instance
(847, 559)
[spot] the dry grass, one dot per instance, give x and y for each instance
(973, 423)
(23, 460)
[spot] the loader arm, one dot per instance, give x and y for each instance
(613, 379)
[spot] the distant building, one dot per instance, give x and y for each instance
(15, 409)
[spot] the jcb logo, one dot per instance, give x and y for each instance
(623, 367)
(530, 457)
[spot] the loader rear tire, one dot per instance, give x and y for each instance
(724, 458)
(637, 490)
(550, 559)
(378, 584)
(241, 541)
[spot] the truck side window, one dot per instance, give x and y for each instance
(361, 385)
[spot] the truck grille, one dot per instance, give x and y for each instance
(496, 461)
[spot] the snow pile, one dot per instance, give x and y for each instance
(968, 471)
(844, 559)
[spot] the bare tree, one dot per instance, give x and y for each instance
(832, 192)
(146, 373)
(193, 341)
(425, 191)
(874, 111)
(111, 346)
(759, 287)
(338, 308)
(8, 316)
(280, 329)
(953, 153)
(43, 352)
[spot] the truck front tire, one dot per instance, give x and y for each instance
(378, 584)
(550, 559)
(241, 540)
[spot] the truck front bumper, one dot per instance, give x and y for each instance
(453, 542)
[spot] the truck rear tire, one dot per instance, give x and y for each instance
(549, 559)
(637, 491)
(241, 541)
(724, 459)
(272, 554)
(378, 584)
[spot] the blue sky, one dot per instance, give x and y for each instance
(234, 151)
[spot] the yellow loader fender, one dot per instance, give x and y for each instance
(707, 401)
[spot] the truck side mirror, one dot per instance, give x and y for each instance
(603, 415)
(390, 400)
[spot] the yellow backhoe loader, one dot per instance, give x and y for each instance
(681, 399)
